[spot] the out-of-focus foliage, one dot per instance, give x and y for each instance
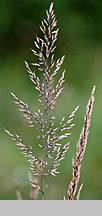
(80, 39)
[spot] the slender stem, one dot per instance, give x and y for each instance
(43, 188)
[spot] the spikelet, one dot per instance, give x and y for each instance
(78, 195)
(80, 150)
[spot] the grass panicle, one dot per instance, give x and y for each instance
(50, 137)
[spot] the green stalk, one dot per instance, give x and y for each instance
(43, 188)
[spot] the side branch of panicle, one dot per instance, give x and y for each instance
(27, 151)
(80, 150)
(60, 155)
(33, 120)
(55, 134)
(35, 80)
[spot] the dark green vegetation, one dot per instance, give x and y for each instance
(80, 39)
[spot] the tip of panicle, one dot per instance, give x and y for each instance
(93, 90)
(77, 108)
(51, 5)
(6, 131)
(12, 94)
(26, 64)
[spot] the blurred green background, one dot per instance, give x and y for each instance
(80, 39)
